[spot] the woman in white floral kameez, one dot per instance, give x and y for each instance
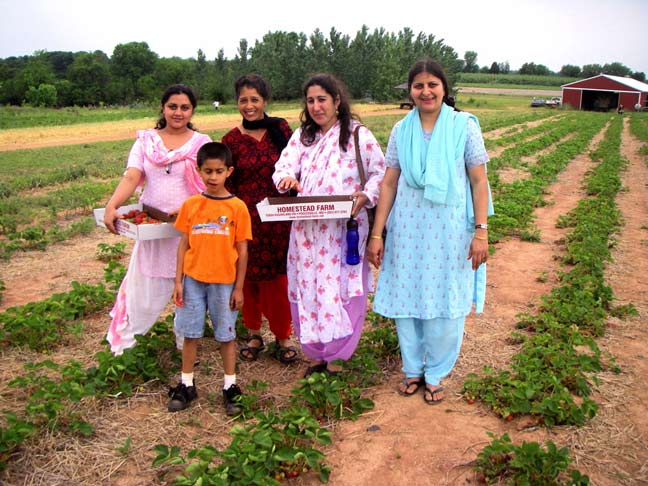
(328, 297)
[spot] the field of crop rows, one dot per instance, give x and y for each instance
(550, 387)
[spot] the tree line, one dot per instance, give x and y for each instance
(568, 70)
(371, 63)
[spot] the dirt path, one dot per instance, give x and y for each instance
(409, 442)
(61, 264)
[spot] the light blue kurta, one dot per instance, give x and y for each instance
(425, 273)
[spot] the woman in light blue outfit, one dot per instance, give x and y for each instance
(434, 201)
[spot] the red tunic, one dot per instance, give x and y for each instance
(251, 181)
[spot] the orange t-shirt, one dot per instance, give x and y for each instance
(214, 226)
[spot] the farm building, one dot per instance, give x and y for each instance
(605, 92)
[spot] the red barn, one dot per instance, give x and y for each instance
(605, 92)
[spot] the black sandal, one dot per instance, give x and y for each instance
(417, 383)
(251, 353)
(433, 400)
(285, 354)
(318, 368)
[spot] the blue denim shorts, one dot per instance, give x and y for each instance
(200, 297)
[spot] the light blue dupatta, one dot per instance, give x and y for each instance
(431, 166)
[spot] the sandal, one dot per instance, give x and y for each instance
(251, 353)
(417, 383)
(285, 354)
(432, 393)
(318, 368)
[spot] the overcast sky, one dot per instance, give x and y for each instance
(549, 32)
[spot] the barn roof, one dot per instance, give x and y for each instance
(633, 84)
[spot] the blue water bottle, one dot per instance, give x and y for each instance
(352, 239)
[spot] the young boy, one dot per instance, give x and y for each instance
(212, 260)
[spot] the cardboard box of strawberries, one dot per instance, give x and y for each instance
(141, 222)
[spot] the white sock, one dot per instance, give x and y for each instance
(229, 380)
(187, 378)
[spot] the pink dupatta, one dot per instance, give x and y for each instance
(159, 155)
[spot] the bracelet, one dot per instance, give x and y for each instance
(480, 238)
(481, 226)
(375, 237)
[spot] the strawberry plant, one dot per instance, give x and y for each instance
(254, 399)
(277, 445)
(527, 464)
(11, 436)
(639, 128)
(330, 397)
(150, 359)
(39, 325)
(114, 273)
(109, 253)
(37, 238)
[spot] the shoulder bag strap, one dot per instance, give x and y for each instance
(356, 140)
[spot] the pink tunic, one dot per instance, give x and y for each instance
(165, 188)
(169, 178)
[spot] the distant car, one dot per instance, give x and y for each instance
(554, 102)
(406, 105)
(536, 102)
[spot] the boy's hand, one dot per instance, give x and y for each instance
(177, 295)
(236, 299)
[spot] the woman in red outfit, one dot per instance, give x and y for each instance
(256, 145)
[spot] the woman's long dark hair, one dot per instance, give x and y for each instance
(337, 90)
(176, 89)
(434, 68)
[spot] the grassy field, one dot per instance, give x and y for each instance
(508, 86)
(15, 117)
(22, 117)
(510, 80)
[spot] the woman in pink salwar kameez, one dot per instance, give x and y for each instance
(328, 297)
(163, 160)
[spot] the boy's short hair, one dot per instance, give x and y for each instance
(214, 150)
